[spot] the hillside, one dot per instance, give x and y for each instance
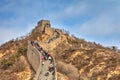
(76, 59)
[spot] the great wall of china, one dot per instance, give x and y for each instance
(35, 59)
(35, 54)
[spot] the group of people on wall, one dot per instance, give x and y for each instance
(45, 56)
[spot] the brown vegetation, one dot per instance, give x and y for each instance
(68, 69)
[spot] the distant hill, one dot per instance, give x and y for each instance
(76, 59)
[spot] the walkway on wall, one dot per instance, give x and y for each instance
(46, 69)
(54, 37)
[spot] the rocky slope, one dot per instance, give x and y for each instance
(76, 59)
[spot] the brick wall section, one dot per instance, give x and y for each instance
(33, 57)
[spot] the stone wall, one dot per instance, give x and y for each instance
(33, 56)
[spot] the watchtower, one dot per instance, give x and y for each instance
(44, 26)
(44, 23)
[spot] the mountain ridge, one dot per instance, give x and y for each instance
(76, 59)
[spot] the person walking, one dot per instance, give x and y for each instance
(43, 61)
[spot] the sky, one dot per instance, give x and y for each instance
(93, 20)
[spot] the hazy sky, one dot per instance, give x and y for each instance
(93, 20)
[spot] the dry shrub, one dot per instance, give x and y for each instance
(68, 70)
(6, 63)
(8, 76)
(62, 67)
(74, 75)
(19, 66)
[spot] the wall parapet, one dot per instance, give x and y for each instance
(35, 59)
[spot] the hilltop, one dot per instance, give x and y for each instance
(76, 59)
